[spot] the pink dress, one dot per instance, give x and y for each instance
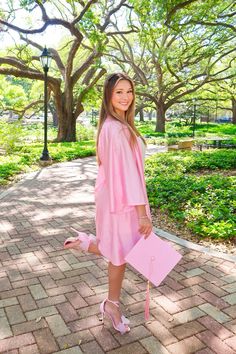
(120, 185)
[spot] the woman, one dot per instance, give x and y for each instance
(122, 209)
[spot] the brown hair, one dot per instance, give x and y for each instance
(107, 109)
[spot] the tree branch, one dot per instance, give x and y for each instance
(71, 57)
(73, 30)
(178, 96)
(146, 94)
(130, 59)
(54, 52)
(222, 56)
(176, 8)
(85, 9)
(110, 13)
(194, 89)
(206, 23)
(21, 112)
(89, 86)
(172, 72)
(77, 74)
(232, 14)
(17, 64)
(44, 13)
(29, 75)
(122, 32)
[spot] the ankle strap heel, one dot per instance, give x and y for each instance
(123, 318)
(121, 326)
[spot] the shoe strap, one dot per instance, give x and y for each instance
(116, 303)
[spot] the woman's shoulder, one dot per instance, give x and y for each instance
(112, 126)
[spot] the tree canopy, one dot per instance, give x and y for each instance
(173, 50)
(77, 65)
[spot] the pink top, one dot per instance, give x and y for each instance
(121, 168)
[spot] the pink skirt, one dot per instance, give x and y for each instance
(116, 233)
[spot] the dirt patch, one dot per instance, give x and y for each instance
(216, 172)
(163, 222)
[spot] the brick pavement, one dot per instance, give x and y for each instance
(49, 300)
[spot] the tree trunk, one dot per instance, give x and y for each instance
(160, 117)
(66, 127)
(66, 117)
(141, 116)
(54, 115)
(54, 119)
(233, 110)
(150, 115)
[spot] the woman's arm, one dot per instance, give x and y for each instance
(141, 210)
(145, 224)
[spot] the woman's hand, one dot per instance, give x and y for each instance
(145, 226)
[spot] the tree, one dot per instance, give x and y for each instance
(170, 61)
(225, 91)
(75, 72)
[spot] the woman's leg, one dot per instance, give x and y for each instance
(93, 248)
(115, 278)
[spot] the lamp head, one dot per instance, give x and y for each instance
(45, 59)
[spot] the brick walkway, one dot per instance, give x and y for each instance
(49, 300)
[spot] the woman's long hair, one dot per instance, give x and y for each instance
(107, 109)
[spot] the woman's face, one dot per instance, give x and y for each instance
(122, 97)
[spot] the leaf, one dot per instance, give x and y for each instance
(171, 319)
(38, 319)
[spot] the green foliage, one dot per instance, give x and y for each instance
(26, 157)
(218, 129)
(147, 129)
(25, 3)
(10, 135)
(84, 133)
(178, 130)
(205, 203)
(89, 26)
(12, 95)
(23, 147)
(69, 151)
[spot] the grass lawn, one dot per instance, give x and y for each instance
(176, 131)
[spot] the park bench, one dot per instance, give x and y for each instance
(216, 142)
(182, 145)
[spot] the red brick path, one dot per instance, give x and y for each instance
(49, 300)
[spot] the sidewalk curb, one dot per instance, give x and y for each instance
(27, 177)
(194, 246)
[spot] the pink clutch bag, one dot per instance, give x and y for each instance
(153, 258)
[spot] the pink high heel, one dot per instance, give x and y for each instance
(123, 318)
(122, 327)
(82, 240)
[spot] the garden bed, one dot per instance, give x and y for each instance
(162, 221)
(196, 192)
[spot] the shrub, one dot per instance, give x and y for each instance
(27, 156)
(206, 203)
(10, 135)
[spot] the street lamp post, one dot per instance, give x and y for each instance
(194, 118)
(45, 59)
